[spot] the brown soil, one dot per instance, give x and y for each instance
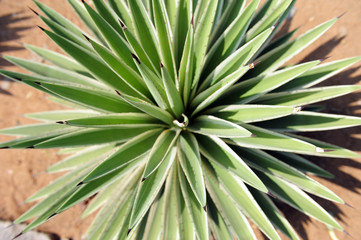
(22, 172)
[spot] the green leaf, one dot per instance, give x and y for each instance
(230, 39)
(310, 121)
(117, 44)
(197, 213)
(154, 227)
(120, 7)
(251, 89)
(190, 161)
(274, 215)
(239, 58)
(216, 151)
(278, 56)
(91, 136)
(209, 125)
(203, 28)
(306, 96)
(186, 67)
(149, 189)
(127, 74)
(318, 74)
(58, 18)
(269, 164)
(217, 225)
(108, 15)
(302, 164)
(268, 19)
(171, 216)
(231, 10)
(233, 217)
(181, 27)
(239, 193)
(120, 120)
(95, 65)
(330, 149)
(59, 115)
(62, 31)
(94, 99)
(126, 153)
(162, 146)
(64, 182)
(250, 112)
(268, 140)
(86, 19)
(104, 196)
(46, 71)
(173, 96)
(208, 96)
(32, 129)
(149, 108)
(144, 30)
(30, 141)
(154, 84)
(82, 157)
(58, 59)
(163, 28)
(87, 190)
(296, 198)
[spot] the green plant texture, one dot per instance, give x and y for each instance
(185, 120)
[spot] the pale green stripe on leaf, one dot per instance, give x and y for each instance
(108, 14)
(154, 226)
(210, 125)
(216, 223)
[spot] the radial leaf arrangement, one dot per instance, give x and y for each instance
(185, 118)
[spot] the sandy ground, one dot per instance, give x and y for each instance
(22, 172)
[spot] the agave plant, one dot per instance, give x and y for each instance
(176, 130)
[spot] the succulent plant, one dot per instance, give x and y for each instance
(185, 118)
